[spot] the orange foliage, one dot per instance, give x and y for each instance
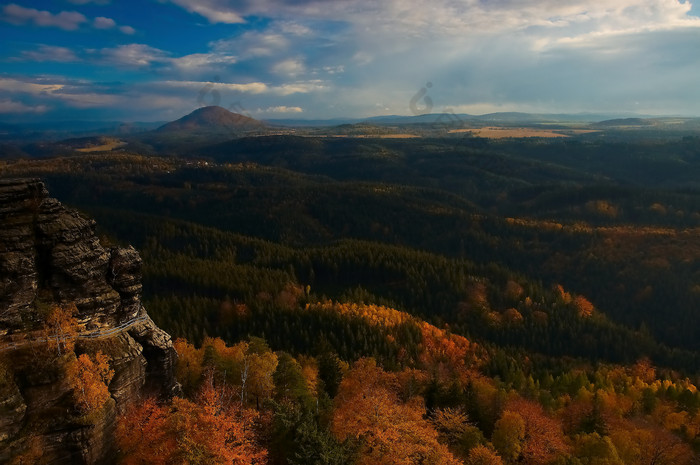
(639, 443)
(614, 403)
(89, 378)
(451, 424)
(146, 420)
(213, 430)
(476, 298)
(574, 413)
(289, 296)
(565, 296)
(544, 438)
(230, 311)
(482, 455)
(449, 355)
(583, 307)
(512, 316)
(368, 408)
(664, 414)
(513, 290)
(644, 370)
(61, 327)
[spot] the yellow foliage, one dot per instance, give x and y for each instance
(61, 327)
(376, 315)
(89, 378)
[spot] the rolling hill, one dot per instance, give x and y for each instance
(212, 119)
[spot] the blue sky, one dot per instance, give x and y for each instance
(156, 60)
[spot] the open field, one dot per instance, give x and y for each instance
(106, 147)
(379, 136)
(504, 133)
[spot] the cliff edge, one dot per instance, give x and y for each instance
(50, 257)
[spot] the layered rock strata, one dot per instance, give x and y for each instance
(50, 255)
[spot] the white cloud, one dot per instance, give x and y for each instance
(134, 55)
(103, 23)
(10, 106)
(198, 61)
(339, 69)
(291, 67)
(19, 15)
(66, 20)
(251, 87)
(306, 87)
(482, 55)
(84, 99)
(213, 10)
(49, 53)
(280, 109)
(455, 18)
(253, 44)
(247, 88)
(294, 28)
(34, 88)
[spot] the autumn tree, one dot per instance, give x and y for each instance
(584, 308)
(544, 439)
(61, 327)
(455, 430)
(508, 435)
(368, 408)
(482, 455)
(639, 443)
(146, 419)
(89, 378)
(188, 369)
(212, 430)
(594, 449)
(261, 363)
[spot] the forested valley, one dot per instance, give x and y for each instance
(437, 300)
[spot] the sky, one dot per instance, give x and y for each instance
(157, 60)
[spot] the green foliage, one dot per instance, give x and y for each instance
(290, 384)
(330, 372)
(298, 439)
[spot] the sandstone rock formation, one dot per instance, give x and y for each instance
(49, 254)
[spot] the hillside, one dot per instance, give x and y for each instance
(212, 119)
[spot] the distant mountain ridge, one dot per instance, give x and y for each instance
(454, 118)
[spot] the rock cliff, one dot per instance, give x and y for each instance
(50, 255)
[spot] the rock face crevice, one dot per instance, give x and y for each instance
(49, 254)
